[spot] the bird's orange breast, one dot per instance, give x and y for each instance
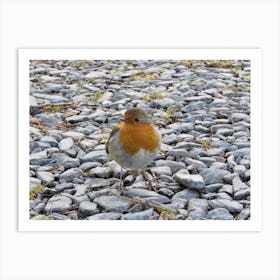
(134, 137)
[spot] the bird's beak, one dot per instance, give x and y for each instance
(123, 120)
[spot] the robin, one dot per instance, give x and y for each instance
(135, 142)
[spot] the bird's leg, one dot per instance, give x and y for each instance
(148, 180)
(121, 182)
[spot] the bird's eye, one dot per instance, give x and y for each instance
(136, 119)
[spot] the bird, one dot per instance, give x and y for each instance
(134, 143)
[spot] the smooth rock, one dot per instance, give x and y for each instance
(238, 184)
(213, 175)
(173, 165)
(58, 203)
(63, 186)
(181, 127)
(227, 189)
(70, 174)
(89, 165)
(69, 162)
(50, 140)
(88, 144)
(242, 194)
(198, 203)
(102, 172)
(144, 193)
(240, 170)
(51, 98)
(165, 191)
(199, 165)
(232, 206)
(96, 183)
(213, 187)
(88, 208)
(239, 117)
(59, 217)
(105, 216)
(112, 204)
(34, 182)
(142, 215)
(99, 155)
(186, 194)
(77, 119)
(95, 75)
(189, 181)
(161, 170)
(244, 214)
(219, 214)
(46, 177)
(65, 144)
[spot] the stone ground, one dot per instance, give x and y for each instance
(201, 108)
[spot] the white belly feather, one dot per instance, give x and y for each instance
(137, 161)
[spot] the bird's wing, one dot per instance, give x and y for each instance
(113, 132)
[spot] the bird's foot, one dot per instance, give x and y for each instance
(121, 185)
(149, 181)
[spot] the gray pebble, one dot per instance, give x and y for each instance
(238, 184)
(105, 216)
(189, 181)
(178, 203)
(69, 162)
(197, 214)
(33, 182)
(242, 194)
(227, 189)
(219, 214)
(50, 140)
(170, 139)
(207, 160)
(58, 203)
(70, 174)
(57, 216)
(112, 204)
(99, 155)
(63, 186)
(161, 170)
(173, 165)
(167, 192)
(150, 195)
(232, 206)
(142, 215)
(219, 165)
(88, 208)
(198, 203)
(199, 165)
(223, 195)
(88, 144)
(239, 117)
(186, 194)
(240, 170)
(46, 177)
(65, 144)
(213, 175)
(181, 127)
(213, 187)
(73, 134)
(244, 214)
(102, 172)
(96, 183)
(89, 165)
(77, 119)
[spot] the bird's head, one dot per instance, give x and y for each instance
(136, 116)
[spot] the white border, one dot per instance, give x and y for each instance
(25, 224)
